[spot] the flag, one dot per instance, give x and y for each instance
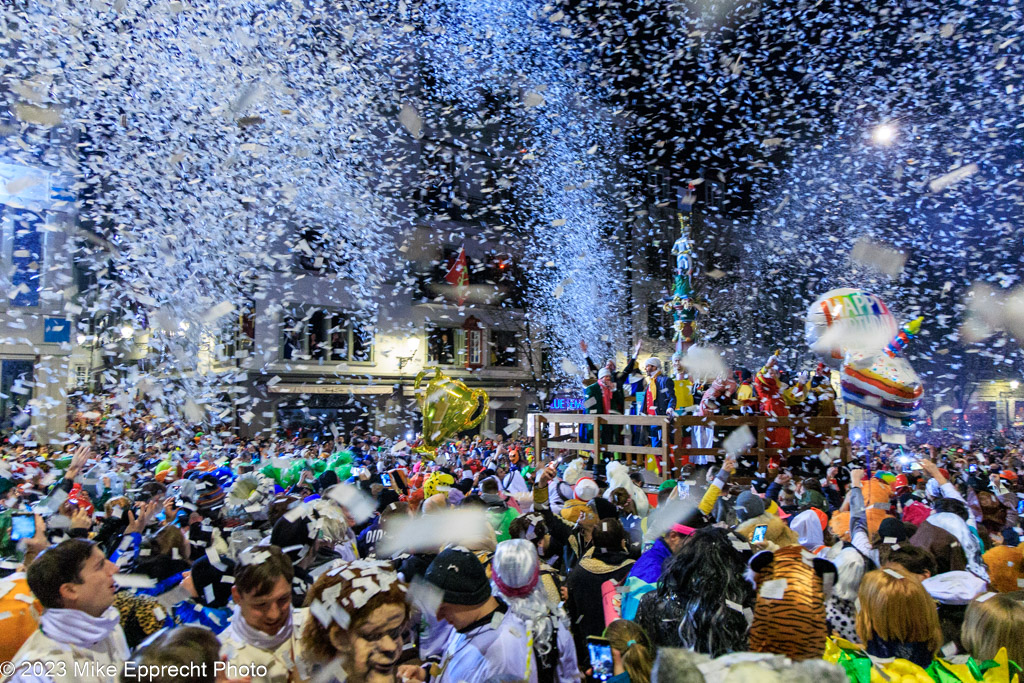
(458, 276)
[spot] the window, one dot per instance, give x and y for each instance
(81, 376)
(446, 346)
(504, 352)
(474, 347)
(324, 336)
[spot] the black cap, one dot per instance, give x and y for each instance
(292, 537)
(893, 528)
(461, 576)
(205, 574)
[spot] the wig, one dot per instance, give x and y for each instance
(516, 575)
(701, 597)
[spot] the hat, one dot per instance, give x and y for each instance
(667, 484)
(460, 576)
(893, 528)
(916, 513)
(1009, 475)
(604, 372)
(954, 588)
(1005, 568)
(293, 537)
(748, 505)
(586, 489)
(604, 508)
(209, 581)
(653, 360)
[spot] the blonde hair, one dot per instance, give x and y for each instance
(995, 623)
(632, 641)
(894, 606)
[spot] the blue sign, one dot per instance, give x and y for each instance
(56, 330)
(565, 403)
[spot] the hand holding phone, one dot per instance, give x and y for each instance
(23, 525)
(759, 533)
(600, 658)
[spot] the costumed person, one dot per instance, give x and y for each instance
(618, 477)
(516, 573)
(659, 396)
(789, 611)
(621, 378)
(703, 598)
(208, 586)
(603, 397)
(355, 630)
(561, 489)
(841, 606)
(607, 560)
(766, 384)
(74, 582)
(632, 654)
(487, 641)
(897, 617)
(264, 629)
(721, 391)
(499, 513)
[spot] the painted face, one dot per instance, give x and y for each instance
(268, 612)
(370, 652)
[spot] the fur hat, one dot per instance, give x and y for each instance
(653, 360)
(1005, 568)
(604, 372)
(574, 471)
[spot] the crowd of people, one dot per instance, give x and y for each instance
(143, 555)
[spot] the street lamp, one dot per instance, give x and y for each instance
(884, 134)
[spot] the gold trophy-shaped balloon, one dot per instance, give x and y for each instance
(448, 407)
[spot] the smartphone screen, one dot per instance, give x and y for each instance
(23, 526)
(972, 468)
(600, 657)
(385, 479)
(759, 533)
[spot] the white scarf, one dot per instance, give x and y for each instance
(247, 634)
(75, 627)
(968, 541)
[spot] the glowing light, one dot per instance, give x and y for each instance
(1014, 384)
(127, 331)
(884, 134)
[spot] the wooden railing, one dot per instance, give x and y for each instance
(810, 436)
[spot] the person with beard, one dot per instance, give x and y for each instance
(74, 582)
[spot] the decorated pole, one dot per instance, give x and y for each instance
(680, 303)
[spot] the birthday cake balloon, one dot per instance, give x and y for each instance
(884, 382)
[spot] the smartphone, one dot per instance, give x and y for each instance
(23, 525)
(385, 479)
(600, 657)
(972, 467)
(759, 533)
